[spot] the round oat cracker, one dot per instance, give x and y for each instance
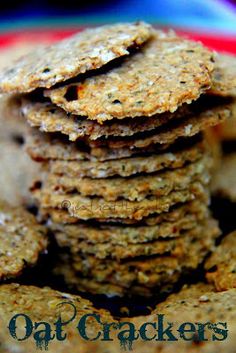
(197, 207)
(45, 305)
(85, 51)
(200, 117)
(89, 208)
(44, 147)
(197, 304)
(50, 118)
(175, 242)
(134, 188)
(125, 167)
(167, 72)
(165, 225)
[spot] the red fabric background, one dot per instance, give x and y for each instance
(220, 42)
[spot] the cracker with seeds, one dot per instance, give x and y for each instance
(166, 73)
(167, 225)
(176, 242)
(148, 271)
(197, 206)
(86, 207)
(199, 305)
(182, 128)
(177, 247)
(85, 51)
(41, 147)
(196, 304)
(134, 188)
(45, 305)
(50, 118)
(42, 302)
(44, 147)
(125, 167)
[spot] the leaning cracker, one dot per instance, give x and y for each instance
(166, 73)
(224, 76)
(221, 265)
(22, 240)
(134, 188)
(85, 207)
(85, 51)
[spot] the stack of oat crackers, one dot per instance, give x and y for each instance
(117, 115)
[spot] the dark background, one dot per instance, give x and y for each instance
(206, 14)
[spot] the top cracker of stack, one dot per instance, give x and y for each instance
(126, 167)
